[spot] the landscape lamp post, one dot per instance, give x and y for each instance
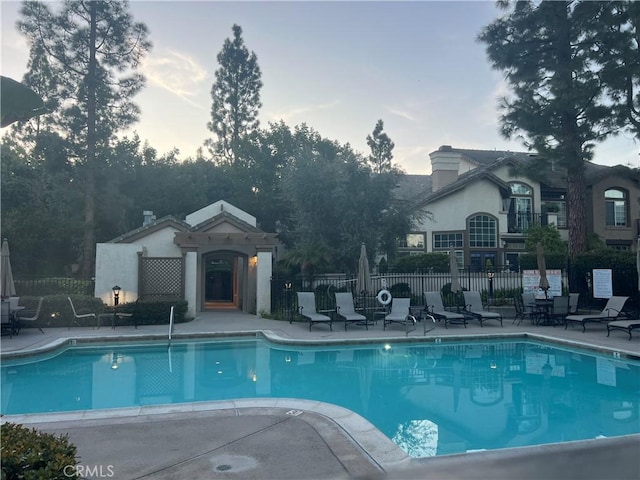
(116, 294)
(490, 276)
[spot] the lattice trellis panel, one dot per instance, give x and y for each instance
(161, 277)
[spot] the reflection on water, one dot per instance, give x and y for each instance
(430, 399)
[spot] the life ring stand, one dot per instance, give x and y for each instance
(384, 297)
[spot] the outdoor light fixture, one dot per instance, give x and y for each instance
(116, 294)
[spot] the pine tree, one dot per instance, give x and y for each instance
(558, 102)
(92, 50)
(236, 97)
(381, 149)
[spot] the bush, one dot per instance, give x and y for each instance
(433, 262)
(29, 454)
(401, 290)
(155, 312)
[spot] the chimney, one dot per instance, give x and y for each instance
(444, 167)
(148, 217)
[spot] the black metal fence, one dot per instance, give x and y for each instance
(497, 289)
(41, 286)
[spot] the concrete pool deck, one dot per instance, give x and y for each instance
(289, 438)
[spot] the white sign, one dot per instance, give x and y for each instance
(602, 284)
(531, 283)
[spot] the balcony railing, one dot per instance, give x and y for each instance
(520, 222)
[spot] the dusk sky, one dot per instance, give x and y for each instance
(336, 66)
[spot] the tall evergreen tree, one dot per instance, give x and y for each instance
(92, 49)
(381, 149)
(617, 54)
(559, 101)
(236, 97)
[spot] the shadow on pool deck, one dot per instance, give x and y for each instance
(288, 438)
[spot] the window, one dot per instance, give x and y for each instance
(444, 241)
(520, 207)
(412, 240)
(615, 207)
(483, 231)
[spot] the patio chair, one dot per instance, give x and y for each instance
(611, 311)
(307, 309)
(6, 320)
(436, 308)
(560, 309)
(80, 316)
(25, 317)
(474, 308)
(530, 309)
(345, 309)
(400, 314)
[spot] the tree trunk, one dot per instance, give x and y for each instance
(571, 145)
(89, 240)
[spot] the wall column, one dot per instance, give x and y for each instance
(263, 283)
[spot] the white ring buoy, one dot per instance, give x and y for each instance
(384, 297)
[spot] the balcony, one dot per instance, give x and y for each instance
(520, 222)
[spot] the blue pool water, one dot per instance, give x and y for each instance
(430, 399)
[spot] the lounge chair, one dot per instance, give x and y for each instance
(80, 316)
(307, 309)
(345, 309)
(25, 317)
(436, 308)
(573, 303)
(611, 311)
(474, 308)
(626, 325)
(400, 314)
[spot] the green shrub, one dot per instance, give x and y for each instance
(155, 312)
(401, 290)
(32, 455)
(432, 262)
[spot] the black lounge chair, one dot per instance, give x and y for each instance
(611, 311)
(307, 309)
(626, 325)
(401, 314)
(475, 309)
(436, 308)
(346, 310)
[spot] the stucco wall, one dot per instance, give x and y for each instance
(117, 264)
(160, 243)
(263, 283)
(597, 220)
(215, 209)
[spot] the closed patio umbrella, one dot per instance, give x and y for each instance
(364, 275)
(8, 288)
(542, 269)
(455, 275)
(18, 102)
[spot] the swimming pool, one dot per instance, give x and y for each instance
(429, 398)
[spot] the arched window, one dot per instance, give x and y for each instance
(520, 208)
(616, 207)
(483, 231)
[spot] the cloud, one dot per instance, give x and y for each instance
(177, 73)
(403, 114)
(287, 115)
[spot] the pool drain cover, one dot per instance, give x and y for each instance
(223, 468)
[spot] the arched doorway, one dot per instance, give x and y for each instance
(221, 280)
